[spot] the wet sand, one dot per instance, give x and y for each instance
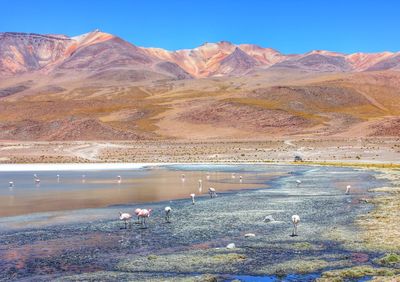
(89, 244)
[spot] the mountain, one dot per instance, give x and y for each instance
(317, 62)
(21, 52)
(97, 86)
(238, 62)
(88, 55)
(391, 62)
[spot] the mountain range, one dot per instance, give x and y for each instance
(97, 51)
(98, 86)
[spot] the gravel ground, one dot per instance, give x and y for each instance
(193, 246)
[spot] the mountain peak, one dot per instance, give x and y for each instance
(238, 62)
(90, 37)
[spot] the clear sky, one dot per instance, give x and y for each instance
(290, 26)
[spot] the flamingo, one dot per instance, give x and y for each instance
(298, 182)
(143, 214)
(36, 178)
(137, 212)
(295, 221)
(212, 192)
(240, 179)
(348, 187)
(167, 214)
(192, 196)
(200, 185)
(125, 217)
(119, 179)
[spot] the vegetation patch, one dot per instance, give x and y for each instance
(205, 261)
(389, 259)
(355, 272)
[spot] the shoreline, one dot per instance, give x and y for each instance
(6, 167)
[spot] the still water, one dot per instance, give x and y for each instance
(100, 188)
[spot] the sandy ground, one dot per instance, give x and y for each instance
(367, 150)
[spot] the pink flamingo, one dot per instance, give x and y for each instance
(167, 214)
(137, 212)
(295, 221)
(144, 214)
(212, 192)
(125, 217)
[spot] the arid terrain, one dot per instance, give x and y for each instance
(339, 150)
(99, 87)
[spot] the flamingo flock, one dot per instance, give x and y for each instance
(143, 214)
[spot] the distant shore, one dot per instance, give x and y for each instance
(123, 153)
(130, 166)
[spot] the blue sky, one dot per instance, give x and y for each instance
(291, 26)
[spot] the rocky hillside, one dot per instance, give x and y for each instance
(99, 87)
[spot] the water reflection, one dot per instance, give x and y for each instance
(52, 191)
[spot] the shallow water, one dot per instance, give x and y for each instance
(56, 244)
(91, 189)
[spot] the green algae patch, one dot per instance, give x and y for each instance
(356, 272)
(389, 259)
(205, 261)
